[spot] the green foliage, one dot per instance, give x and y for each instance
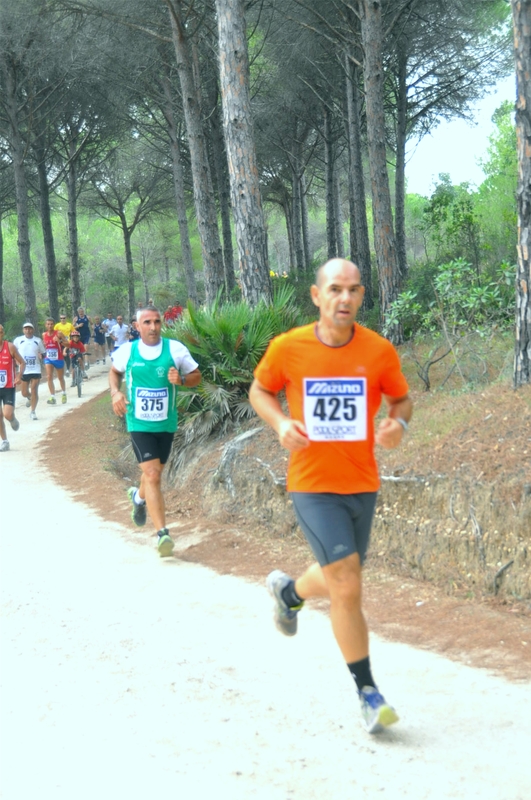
(496, 197)
(451, 221)
(460, 300)
(227, 341)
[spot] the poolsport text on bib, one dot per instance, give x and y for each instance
(151, 405)
(335, 409)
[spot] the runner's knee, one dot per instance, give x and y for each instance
(344, 581)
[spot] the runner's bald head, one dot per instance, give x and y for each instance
(334, 265)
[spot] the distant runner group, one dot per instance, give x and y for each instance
(60, 342)
(335, 374)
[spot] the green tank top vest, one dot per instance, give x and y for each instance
(152, 398)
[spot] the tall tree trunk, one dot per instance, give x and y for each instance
(359, 238)
(384, 237)
(180, 198)
(47, 231)
(338, 215)
(522, 49)
(296, 205)
(329, 185)
(17, 151)
(400, 174)
(289, 229)
(239, 139)
(205, 206)
(305, 225)
(296, 216)
(73, 245)
(145, 280)
(221, 172)
(129, 265)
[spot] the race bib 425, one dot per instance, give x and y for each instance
(335, 409)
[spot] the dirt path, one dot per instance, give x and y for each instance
(127, 676)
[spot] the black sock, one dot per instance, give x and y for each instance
(290, 596)
(361, 672)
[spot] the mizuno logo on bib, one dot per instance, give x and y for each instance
(151, 405)
(335, 409)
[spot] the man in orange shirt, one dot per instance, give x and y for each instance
(334, 373)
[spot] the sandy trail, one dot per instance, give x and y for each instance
(127, 676)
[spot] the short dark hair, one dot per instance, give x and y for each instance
(141, 311)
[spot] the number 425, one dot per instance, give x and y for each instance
(335, 409)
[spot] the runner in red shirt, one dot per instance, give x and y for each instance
(335, 374)
(8, 381)
(53, 342)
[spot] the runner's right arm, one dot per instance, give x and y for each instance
(291, 432)
(118, 398)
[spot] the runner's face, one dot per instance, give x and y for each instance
(149, 327)
(28, 332)
(339, 294)
(1, 334)
(49, 325)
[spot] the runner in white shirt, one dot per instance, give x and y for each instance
(31, 349)
(108, 324)
(120, 333)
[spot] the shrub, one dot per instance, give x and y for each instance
(227, 341)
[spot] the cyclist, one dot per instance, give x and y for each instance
(76, 350)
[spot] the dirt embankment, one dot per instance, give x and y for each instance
(449, 561)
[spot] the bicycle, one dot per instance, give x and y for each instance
(77, 372)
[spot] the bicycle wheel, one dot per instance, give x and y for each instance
(79, 381)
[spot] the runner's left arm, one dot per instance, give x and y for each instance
(20, 361)
(390, 430)
(191, 379)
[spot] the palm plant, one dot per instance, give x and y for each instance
(227, 340)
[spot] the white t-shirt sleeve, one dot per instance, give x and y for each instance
(181, 357)
(121, 357)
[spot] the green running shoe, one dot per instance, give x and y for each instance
(165, 544)
(138, 512)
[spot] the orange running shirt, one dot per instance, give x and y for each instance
(336, 392)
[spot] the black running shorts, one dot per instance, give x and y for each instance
(149, 446)
(335, 525)
(7, 397)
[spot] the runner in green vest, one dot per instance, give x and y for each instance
(153, 367)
